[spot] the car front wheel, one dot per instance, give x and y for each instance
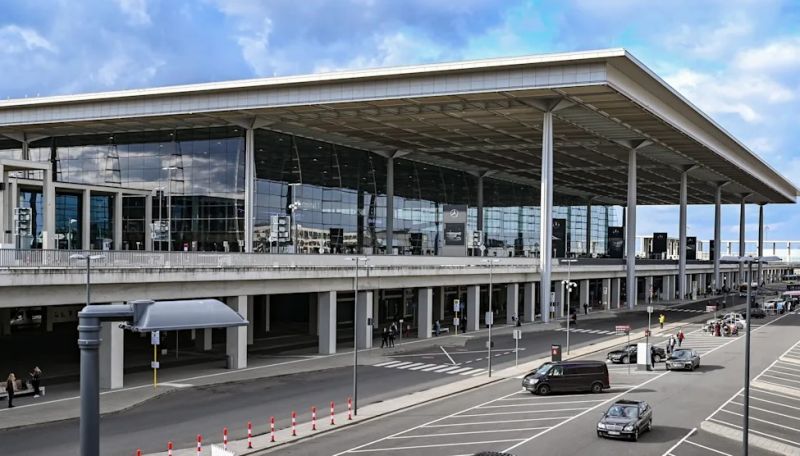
(656, 358)
(543, 390)
(597, 387)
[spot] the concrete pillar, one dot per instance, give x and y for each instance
(326, 322)
(86, 220)
(251, 316)
(630, 239)
(424, 312)
(112, 354)
(616, 285)
(249, 188)
(389, 205)
(363, 316)
(267, 312)
(682, 290)
(741, 238)
(648, 289)
(203, 340)
(760, 277)
(376, 317)
(473, 307)
(673, 285)
(605, 299)
(148, 223)
(5, 322)
(440, 305)
(117, 215)
(480, 204)
(512, 303)
(546, 214)
(49, 316)
(529, 297)
(584, 293)
(5, 223)
(717, 238)
(313, 314)
(236, 338)
(589, 228)
(561, 299)
(49, 207)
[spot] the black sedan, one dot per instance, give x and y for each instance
(683, 358)
(628, 355)
(626, 419)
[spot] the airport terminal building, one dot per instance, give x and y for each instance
(261, 193)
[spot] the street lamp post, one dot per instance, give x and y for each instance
(492, 262)
(569, 285)
(357, 260)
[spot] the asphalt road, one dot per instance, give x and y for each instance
(500, 417)
(182, 414)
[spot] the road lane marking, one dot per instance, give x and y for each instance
(526, 405)
(422, 366)
(680, 441)
(448, 434)
(387, 363)
(448, 355)
(760, 420)
(520, 411)
(472, 371)
(496, 422)
(708, 448)
(753, 431)
(445, 369)
(769, 411)
(409, 366)
(430, 446)
(461, 370)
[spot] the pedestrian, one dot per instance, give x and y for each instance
(653, 356)
(717, 329)
(661, 320)
(392, 331)
(385, 337)
(681, 336)
(436, 327)
(574, 318)
(519, 321)
(10, 389)
(586, 308)
(36, 379)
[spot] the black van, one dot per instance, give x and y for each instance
(568, 376)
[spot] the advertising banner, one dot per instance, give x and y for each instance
(659, 245)
(616, 242)
(559, 238)
(455, 230)
(691, 248)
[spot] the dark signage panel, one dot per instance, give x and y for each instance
(616, 242)
(659, 244)
(712, 248)
(691, 248)
(559, 238)
(454, 234)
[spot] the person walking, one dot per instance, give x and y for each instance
(661, 320)
(385, 337)
(392, 333)
(574, 318)
(681, 336)
(36, 379)
(10, 389)
(436, 327)
(653, 357)
(586, 308)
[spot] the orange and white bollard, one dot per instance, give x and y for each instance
(294, 424)
(249, 435)
(272, 428)
(138, 452)
(199, 444)
(332, 414)
(169, 448)
(349, 409)
(225, 438)
(313, 418)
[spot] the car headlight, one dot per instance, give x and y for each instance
(533, 381)
(601, 426)
(628, 428)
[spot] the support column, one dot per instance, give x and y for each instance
(741, 238)
(249, 188)
(267, 311)
(589, 228)
(561, 296)
(236, 338)
(529, 304)
(389, 205)
(682, 290)
(630, 238)
(760, 277)
(252, 317)
(480, 203)
(203, 340)
(546, 214)
(605, 298)
(717, 237)
(313, 314)
(616, 286)
(424, 312)
(49, 207)
(473, 307)
(648, 289)
(49, 316)
(117, 237)
(326, 321)
(5, 322)
(148, 223)
(112, 354)
(512, 303)
(439, 312)
(86, 220)
(5, 223)
(363, 316)
(584, 291)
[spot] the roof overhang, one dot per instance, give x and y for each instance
(479, 116)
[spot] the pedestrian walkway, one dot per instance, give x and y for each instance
(588, 331)
(450, 369)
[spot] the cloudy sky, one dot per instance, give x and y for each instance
(738, 60)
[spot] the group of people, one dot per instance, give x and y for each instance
(388, 335)
(11, 385)
(675, 339)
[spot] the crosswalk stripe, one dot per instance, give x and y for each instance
(446, 369)
(399, 366)
(411, 365)
(471, 372)
(421, 367)
(388, 363)
(463, 369)
(436, 366)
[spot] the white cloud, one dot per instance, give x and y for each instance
(716, 40)
(15, 39)
(136, 10)
(255, 48)
(778, 55)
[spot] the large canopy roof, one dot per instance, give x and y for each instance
(481, 116)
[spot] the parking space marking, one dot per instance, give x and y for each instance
(417, 447)
(669, 452)
(708, 448)
(774, 437)
(447, 434)
(752, 407)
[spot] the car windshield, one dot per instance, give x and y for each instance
(630, 348)
(681, 354)
(543, 369)
(623, 411)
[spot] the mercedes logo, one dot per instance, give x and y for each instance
(453, 212)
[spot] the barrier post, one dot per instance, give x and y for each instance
(314, 418)
(333, 421)
(349, 409)
(199, 444)
(294, 424)
(225, 438)
(138, 452)
(169, 448)
(272, 428)
(249, 434)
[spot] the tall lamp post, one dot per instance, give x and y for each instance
(357, 261)
(492, 262)
(569, 285)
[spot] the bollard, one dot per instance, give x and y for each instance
(199, 444)
(349, 409)
(225, 439)
(294, 424)
(249, 435)
(169, 448)
(313, 418)
(138, 452)
(272, 428)
(332, 413)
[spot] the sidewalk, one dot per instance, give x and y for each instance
(62, 401)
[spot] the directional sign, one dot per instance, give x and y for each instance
(489, 317)
(517, 334)
(649, 309)
(624, 329)
(456, 305)
(456, 321)
(155, 338)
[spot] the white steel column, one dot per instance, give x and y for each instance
(589, 228)
(561, 297)
(49, 206)
(741, 239)
(249, 188)
(616, 286)
(4, 200)
(717, 238)
(760, 242)
(390, 205)
(682, 291)
(606, 293)
(148, 222)
(546, 214)
(648, 289)
(480, 203)
(117, 236)
(326, 321)
(267, 314)
(363, 317)
(529, 304)
(473, 307)
(512, 303)
(86, 220)
(236, 338)
(112, 354)
(252, 318)
(424, 312)
(630, 237)
(584, 291)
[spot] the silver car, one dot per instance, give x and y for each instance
(683, 359)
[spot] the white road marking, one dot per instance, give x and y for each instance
(446, 354)
(429, 446)
(753, 431)
(769, 411)
(668, 452)
(422, 366)
(387, 364)
(447, 434)
(446, 369)
(409, 366)
(548, 403)
(708, 448)
(496, 422)
(791, 428)
(520, 411)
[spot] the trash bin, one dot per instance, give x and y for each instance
(555, 353)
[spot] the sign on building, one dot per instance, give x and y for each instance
(455, 230)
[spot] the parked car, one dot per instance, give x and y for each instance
(757, 313)
(626, 419)
(568, 376)
(683, 358)
(628, 354)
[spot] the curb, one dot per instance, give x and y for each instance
(778, 388)
(756, 441)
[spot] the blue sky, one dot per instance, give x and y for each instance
(738, 60)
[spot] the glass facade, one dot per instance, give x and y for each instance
(335, 197)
